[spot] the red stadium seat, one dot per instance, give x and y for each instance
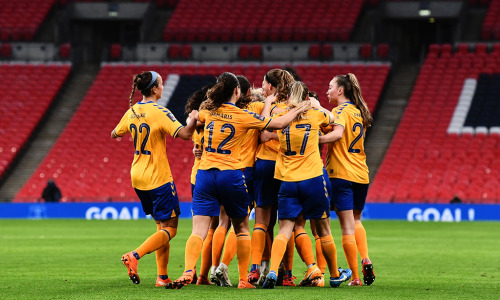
(314, 51)
(256, 51)
(326, 51)
(383, 50)
(366, 51)
(5, 50)
(115, 51)
(174, 51)
(64, 50)
(186, 51)
(244, 52)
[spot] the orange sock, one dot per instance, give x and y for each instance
(320, 258)
(206, 253)
(288, 256)
(361, 242)
(277, 251)
(266, 255)
(258, 242)
(154, 242)
(192, 252)
(217, 244)
(162, 255)
(243, 250)
(229, 248)
(330, 252)
(304, 246)
(351, 254)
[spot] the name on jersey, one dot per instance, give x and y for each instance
(224, 116)
(357, 115)
(143, 115)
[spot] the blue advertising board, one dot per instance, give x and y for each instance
(133, 210)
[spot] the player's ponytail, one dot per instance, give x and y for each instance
(245, 99)
(221, 92)
(280, 80)
(352, 91)
(298, 93)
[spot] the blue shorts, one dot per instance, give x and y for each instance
(249, 179)
(162, 203)
(348, 195)
(328, 188)
(266, 187)
(308, 196)
(215, 187)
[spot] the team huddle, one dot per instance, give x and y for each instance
(255, 148)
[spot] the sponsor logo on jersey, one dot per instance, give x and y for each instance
(259, 117)
(171, 117)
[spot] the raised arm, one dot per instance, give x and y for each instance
(186, 133)
(284, 120)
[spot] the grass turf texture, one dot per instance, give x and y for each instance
(80, 259)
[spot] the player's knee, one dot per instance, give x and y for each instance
(171, 232)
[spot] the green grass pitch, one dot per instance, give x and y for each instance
(80, 259)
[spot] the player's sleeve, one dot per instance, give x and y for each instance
(255, 121)
(122, 128)
(256, 107)
(339, 117)
(202, 115)
(324, 118)
(171, 125)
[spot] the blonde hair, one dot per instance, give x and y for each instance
(256, 94)
(352, 91)
(298, 93)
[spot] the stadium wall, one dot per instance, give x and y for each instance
(132, 211)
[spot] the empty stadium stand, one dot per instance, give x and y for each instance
(90, 166)
(26, 92)
(20, 19)
(427, 161)
(262, 21)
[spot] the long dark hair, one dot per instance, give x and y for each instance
(142, 83)
(245, 87)
(221, 92)
(352, 91)
(196, 99)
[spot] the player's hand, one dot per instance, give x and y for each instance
(197, 151)
(194, 115)
(270, 99)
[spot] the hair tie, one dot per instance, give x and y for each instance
(154, 75)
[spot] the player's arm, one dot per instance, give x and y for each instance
(266, 111)
(315, 104)
(266, 136)
(334, 135)
(186, 132)
(283, 121)
(114, 135)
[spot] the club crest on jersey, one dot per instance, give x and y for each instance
(259, 117)
(171, 117)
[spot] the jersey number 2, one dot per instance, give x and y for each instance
(143, 144)
(210, 128)
(361, 132)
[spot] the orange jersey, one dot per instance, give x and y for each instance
(251, 139)
(198, 143)
(299, 157)
(270, 149)
(346, 158)
(150, 168)
(225, 129)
